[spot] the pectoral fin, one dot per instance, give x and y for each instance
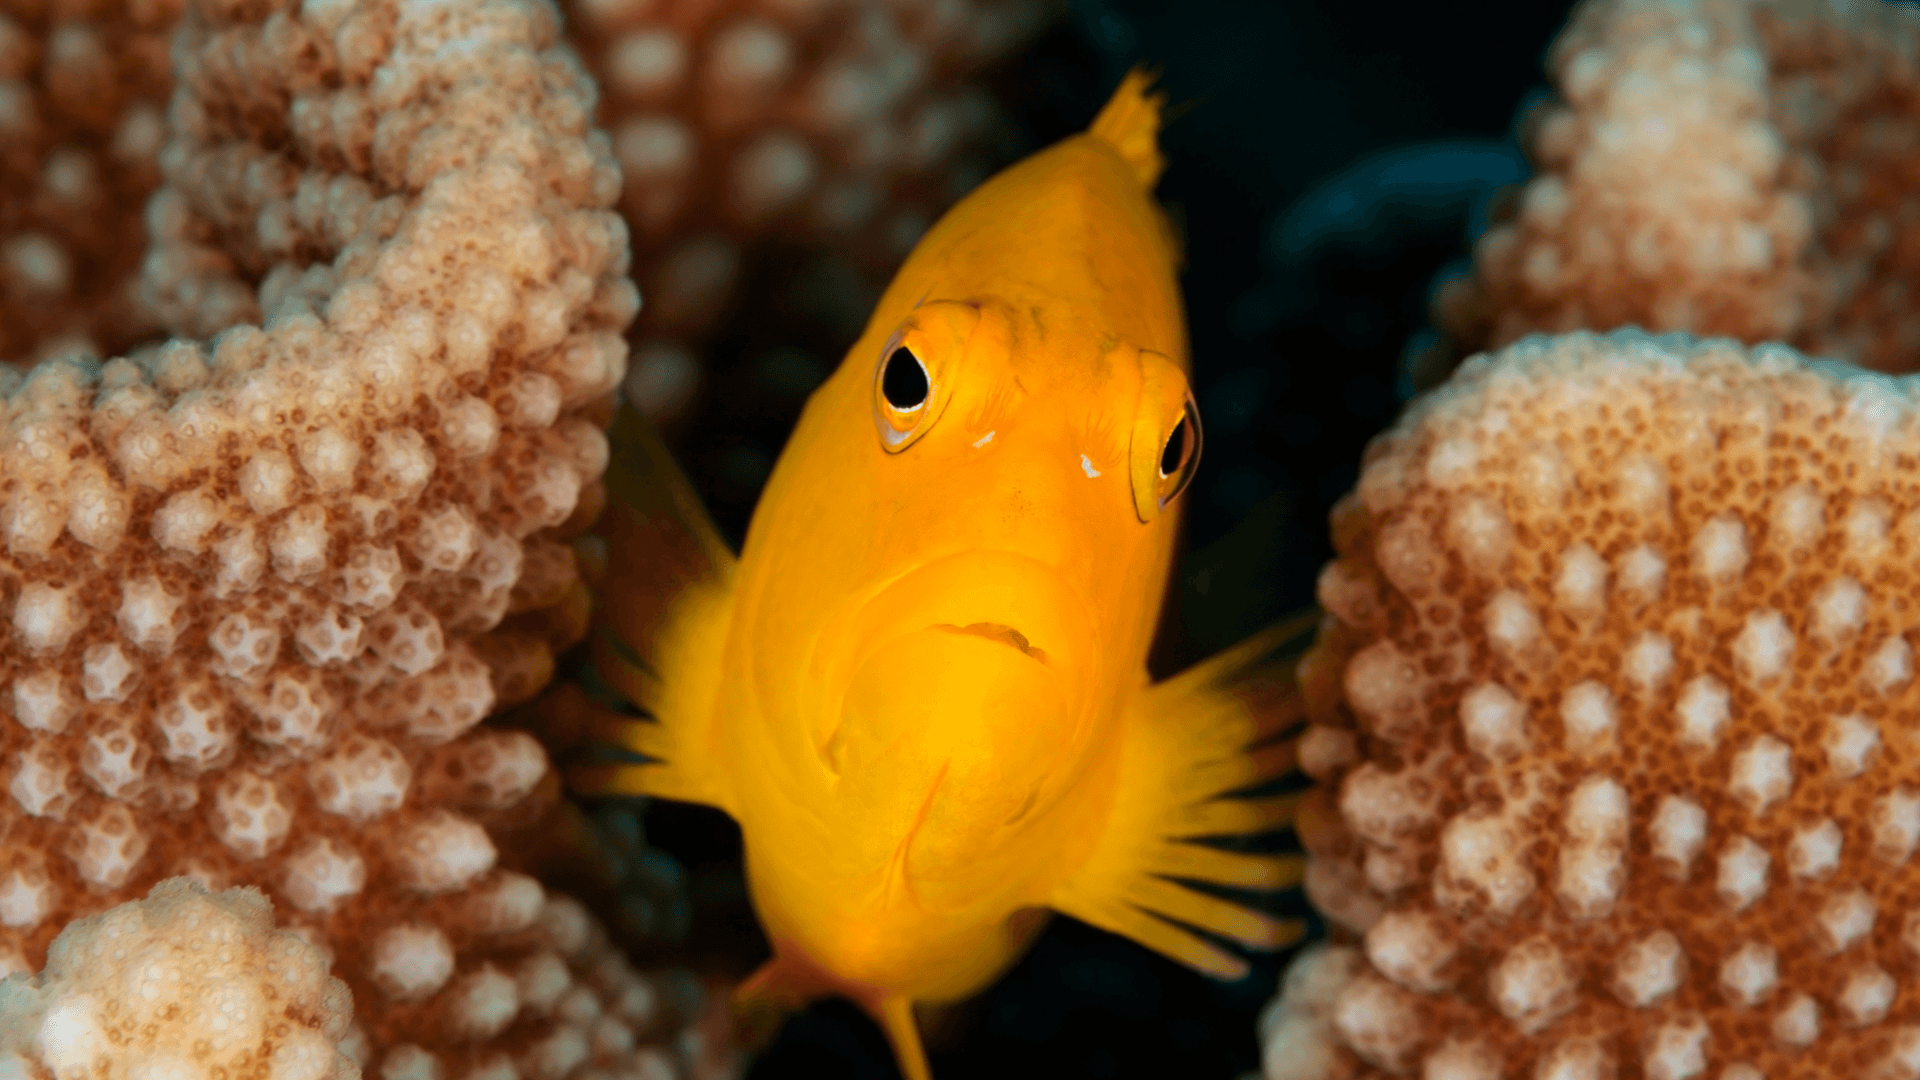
(1214, 729)
(661, 623)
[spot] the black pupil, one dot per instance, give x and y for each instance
(1176, 450)
(905, 381)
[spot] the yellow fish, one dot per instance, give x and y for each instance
(921, 689)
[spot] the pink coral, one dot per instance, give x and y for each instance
(1609, 727)
(1736, 167)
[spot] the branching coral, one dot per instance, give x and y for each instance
(261, 590)
(848, 121)
(1610, 727)
(83, 87)
(1736, 167)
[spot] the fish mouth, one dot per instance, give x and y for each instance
(1008, 599)
(999, 633)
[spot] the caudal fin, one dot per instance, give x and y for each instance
(663, 614)
(1189, 742)
(1130, 123)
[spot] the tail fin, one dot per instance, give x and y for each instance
(1130, 123)
(1189, 742)
(662, 621)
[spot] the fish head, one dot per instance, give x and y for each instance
(953, 577)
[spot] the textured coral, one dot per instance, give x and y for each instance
(262, 590)
(849, 122)
(1610, 727)
(83, 88)
(182, 984)
(1726, 167)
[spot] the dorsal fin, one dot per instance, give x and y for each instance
(1130, 123)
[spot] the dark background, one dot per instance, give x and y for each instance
(1326, 162)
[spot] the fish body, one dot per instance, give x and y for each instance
(921, 689)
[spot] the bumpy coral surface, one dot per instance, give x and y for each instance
(1612, 727)
(83, 89)
(850, 122)
(182, 984)
(1736, 167)
(261, 590)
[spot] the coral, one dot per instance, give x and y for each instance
(1720, 167)
(853, 122)
(1608, 727)
(848, 122)
(264, 582)
(182, 983)
(83, 90)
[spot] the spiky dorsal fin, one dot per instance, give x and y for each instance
(1130, 123)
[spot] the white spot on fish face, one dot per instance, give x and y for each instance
(983, 440)
(1086, 465)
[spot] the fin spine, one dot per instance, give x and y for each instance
(1130, 123)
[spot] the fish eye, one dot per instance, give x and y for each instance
(1166, 435)
(914, 374)
(1175, 453)
(1180, 456)
(904, 383)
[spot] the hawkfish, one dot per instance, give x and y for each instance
(921, 687)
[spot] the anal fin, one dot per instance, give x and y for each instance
(1188, 743)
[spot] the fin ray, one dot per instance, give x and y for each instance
(1232, 817)
(1189, 743)
(1167, 939)
(662, 616)
(1233, 868)
(1172, 900)
(1130, 123)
